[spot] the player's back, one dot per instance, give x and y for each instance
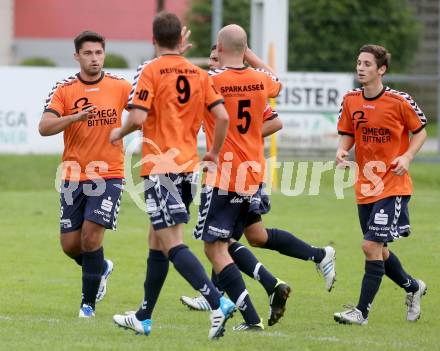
(245, 91)
(175, 94)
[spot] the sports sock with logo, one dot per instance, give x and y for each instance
(395, 271)
(93, 263)
(192, 270)
(374, 270)
(248, 264)
(288, 244)
(157, 270)
(232, 282)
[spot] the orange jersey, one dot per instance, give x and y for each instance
(175, 93)
(268, 114)
(246, 91)
(88, 141)
(380, 127)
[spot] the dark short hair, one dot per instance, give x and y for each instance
(167, 29)
(88, 35)
(381, 55)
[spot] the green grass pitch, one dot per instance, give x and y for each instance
(40, 287)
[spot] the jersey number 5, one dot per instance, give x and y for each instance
(183, 88)
(242, 113)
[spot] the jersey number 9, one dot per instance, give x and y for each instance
(183, 88)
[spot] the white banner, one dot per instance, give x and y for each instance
(313, 92)
(308, 105)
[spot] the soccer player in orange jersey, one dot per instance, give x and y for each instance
(259, 236)
(379, 121)
(226, 199)
(86, 107)
(168, 100)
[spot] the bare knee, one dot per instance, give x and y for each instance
(366, 247)
(256, 236)
(90, 242)
(218, 255)
(92, 235)
(372, 250)
(255, 242)
(71, 250)
(385, 253)
(71, 243)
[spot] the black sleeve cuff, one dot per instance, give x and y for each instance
(132, 106)
(55, 112)
(215, 104)
(273, 116)
(340, 132)
(419, 129)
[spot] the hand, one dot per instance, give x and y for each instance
(341, 158)
(83, 115)
(400, 165)
(115, 136)
(185, 45)
(210, 161)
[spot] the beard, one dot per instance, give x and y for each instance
(92, 71)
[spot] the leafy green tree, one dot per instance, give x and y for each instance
(38, 61)
(324, 35)
(115, 61)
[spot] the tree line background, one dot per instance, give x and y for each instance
(324, 35)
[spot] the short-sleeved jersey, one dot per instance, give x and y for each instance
(87, 142)
(246, 91)
(175, 93)
(380, 127)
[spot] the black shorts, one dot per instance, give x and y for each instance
(168, 197)
(221, 215)
(260, 205)
(385, 220)
(97, 201)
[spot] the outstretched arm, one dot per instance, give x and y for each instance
(135, 120)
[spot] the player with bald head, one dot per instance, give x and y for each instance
(226, 196)
(232, 39)
(257, 235)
